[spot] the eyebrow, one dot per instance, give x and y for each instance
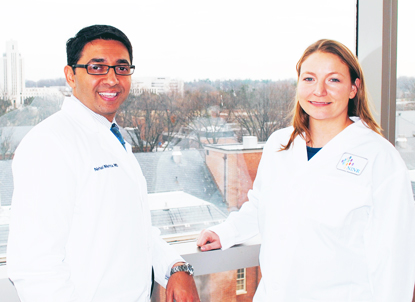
(330, 73)
(100, 60)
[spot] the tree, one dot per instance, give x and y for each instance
(406, 88)
(262, 110)
(28, 101)
(201, 109)
(7, 144)
(5, 105)
(205, 114)
(146, 117)
(173, 117)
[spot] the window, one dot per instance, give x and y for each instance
(217, 67)
(405, 88)
(241, 281)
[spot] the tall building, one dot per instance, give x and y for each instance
(12, 82)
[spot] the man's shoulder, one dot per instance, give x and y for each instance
(55, 130)
(52, 125)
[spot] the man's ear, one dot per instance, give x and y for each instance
(70, 76)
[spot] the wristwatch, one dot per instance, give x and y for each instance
(187, 268)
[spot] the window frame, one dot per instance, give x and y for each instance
(242, 273)
(376, 49)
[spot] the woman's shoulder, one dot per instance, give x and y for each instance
(377, 147)
(369, 136)
(279, 137)
(281, 134)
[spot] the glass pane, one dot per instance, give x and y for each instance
(405, 90)
(208, 75)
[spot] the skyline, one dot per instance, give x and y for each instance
(192, 40)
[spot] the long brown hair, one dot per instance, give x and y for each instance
(358, 106)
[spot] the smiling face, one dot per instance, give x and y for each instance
(103, 94)
(324, 88)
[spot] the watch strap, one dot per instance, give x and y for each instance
(186, 267)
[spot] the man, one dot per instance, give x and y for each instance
(81, 227)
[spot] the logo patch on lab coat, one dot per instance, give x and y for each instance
(352, 163)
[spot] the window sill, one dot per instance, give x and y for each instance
(216, 261)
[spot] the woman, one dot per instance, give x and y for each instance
(332, 198)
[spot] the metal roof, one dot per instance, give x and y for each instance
(190, 175)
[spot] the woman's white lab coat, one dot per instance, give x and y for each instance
(81, 227)
(340, 227)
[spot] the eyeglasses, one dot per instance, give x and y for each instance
(99, 69)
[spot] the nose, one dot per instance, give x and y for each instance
(320, 89)
(111, 77)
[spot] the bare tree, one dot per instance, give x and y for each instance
(173, 117)
(5, 105)
(7, 144)
(202, 116)
(262, 110)
(148, 116)
(406, 88)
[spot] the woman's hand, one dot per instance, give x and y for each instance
(208, 240)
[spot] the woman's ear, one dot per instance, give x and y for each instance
(355, 88)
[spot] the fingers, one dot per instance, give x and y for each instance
(202, 238)
(169, 296)
(210, 246)
(208, 240)
(181, 288)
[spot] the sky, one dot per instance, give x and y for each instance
(186, 39)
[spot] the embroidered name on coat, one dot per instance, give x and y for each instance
(106, 167)
(352, 163)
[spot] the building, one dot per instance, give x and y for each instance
(156, 85)
(230, 286)
(234, 167)
(12, 80)
(46, 92)
(181, 216)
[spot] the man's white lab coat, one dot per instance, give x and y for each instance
(81, 226)
(340, 227)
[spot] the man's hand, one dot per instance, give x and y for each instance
(181, 288)
(208, 240)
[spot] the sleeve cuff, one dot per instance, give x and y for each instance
(171, 265)
(227, 234)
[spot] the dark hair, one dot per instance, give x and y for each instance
(75, 45)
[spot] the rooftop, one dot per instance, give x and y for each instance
(189, 175)
(236, 147)
(180, 216)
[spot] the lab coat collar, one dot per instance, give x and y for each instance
(108, 142)
(76, 110)
(346, 139)
(79, 112)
